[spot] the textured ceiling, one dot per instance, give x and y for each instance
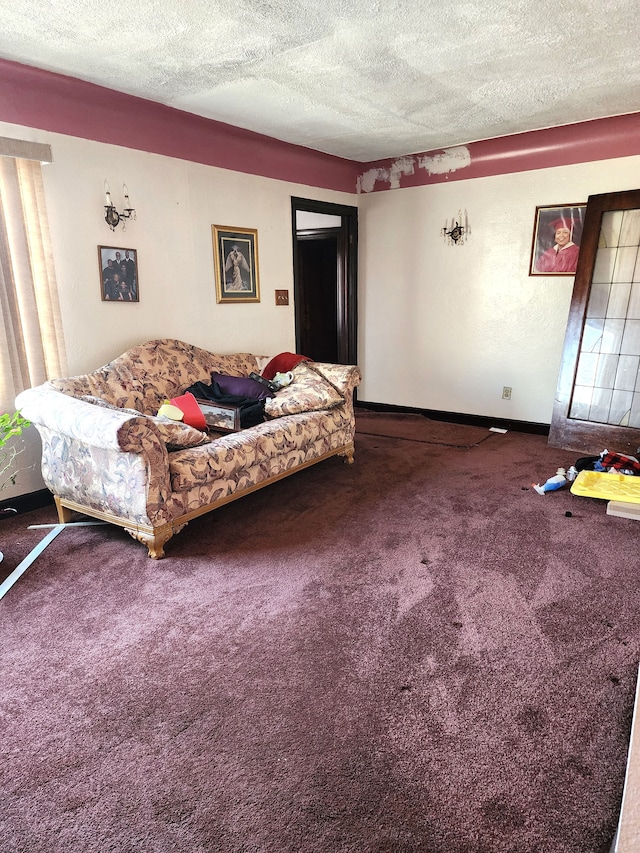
(360, 79)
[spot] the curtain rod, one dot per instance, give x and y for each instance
(24, 150)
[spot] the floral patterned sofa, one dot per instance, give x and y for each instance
(105, 453)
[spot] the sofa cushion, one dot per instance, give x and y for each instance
(343, 377)
(175, 434)
(309, 392)
(248, 456)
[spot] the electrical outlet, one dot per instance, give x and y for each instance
(506, 393)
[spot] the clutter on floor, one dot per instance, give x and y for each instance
(558, 480)
(607, 486)
(610, 476)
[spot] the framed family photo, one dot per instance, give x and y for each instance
(220, 417)
(235, 255)
(557, 232)
(119, 280)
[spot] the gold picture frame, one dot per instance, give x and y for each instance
(235, 255)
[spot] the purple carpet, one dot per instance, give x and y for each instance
(413, 653)
(419, 428)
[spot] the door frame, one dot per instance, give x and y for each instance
(347, 313)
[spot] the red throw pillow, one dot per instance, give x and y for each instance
(283, 363)
(192, 413)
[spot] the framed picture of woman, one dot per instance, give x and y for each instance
(556, 239)
(235, 255)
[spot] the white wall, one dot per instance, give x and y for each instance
(177, 202)
(446, 327)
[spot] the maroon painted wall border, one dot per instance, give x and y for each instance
(32, 97)
(585, 142)
(42, 99)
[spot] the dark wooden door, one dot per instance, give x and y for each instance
(325, 284)
(319, 256)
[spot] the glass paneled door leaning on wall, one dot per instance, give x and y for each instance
(597, 403)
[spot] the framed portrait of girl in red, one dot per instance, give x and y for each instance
(556, 239)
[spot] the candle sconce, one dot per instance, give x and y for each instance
(111, 215)
(456, 232)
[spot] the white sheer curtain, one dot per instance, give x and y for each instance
(31, 339)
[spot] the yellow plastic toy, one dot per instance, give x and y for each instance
(606, 486)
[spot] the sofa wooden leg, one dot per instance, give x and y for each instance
(155, 542)
(64, 513)
(348, 454)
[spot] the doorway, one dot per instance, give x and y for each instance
(325, 252)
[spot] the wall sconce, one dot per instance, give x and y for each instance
(455, 233)
(111, 215)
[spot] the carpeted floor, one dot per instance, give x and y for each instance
(413, 653)
(412, 427)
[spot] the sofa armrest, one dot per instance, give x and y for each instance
(106, 428)
(345, 378)
(113, 461)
